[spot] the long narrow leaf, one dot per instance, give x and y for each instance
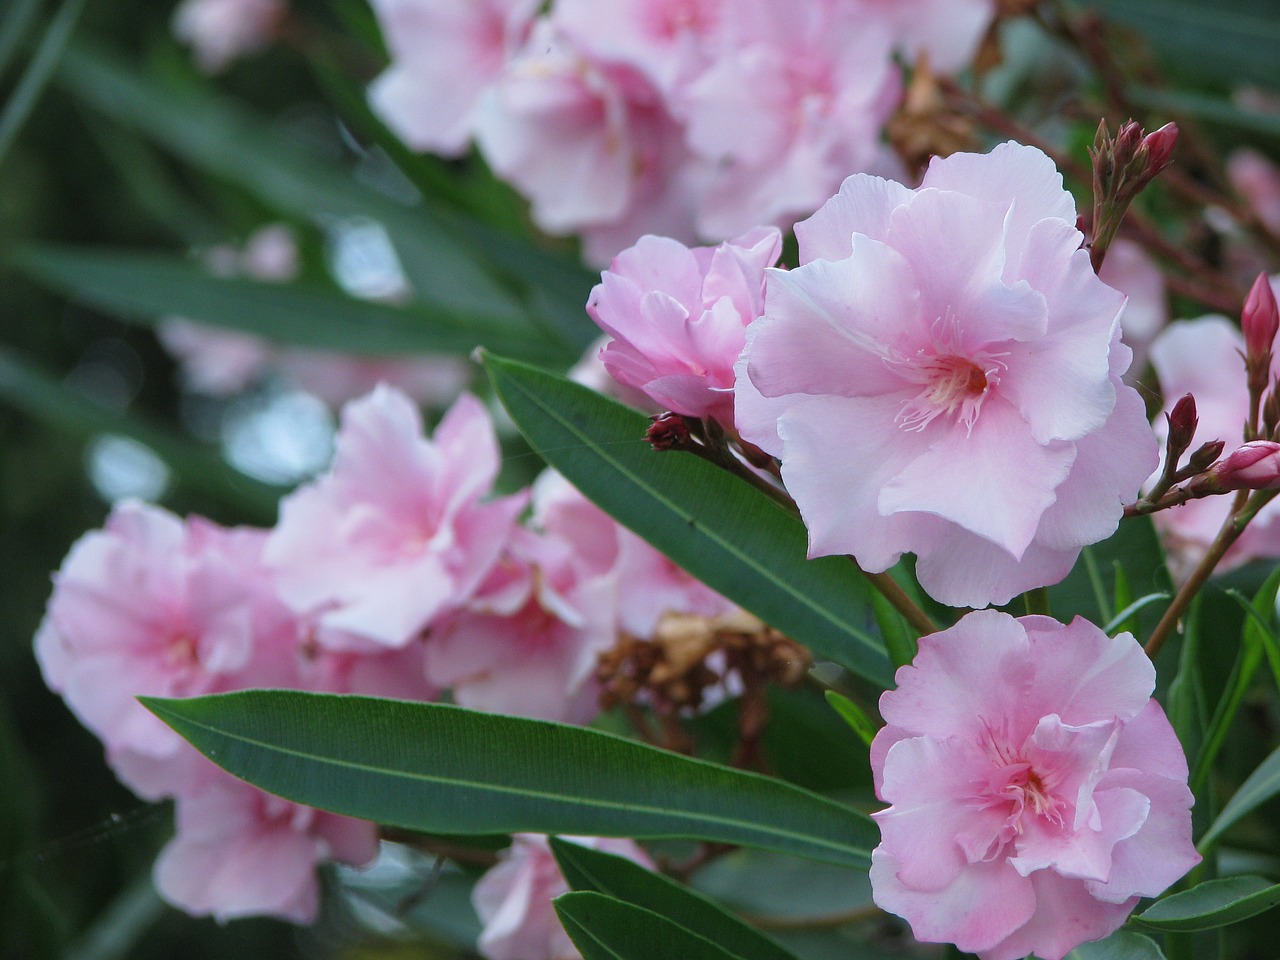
(620, 878)
(15, 20)
(606, 929)
(442, 769)
(1213, 904)
(1261, 786)
(720, 529)
(150, 288)
(38, 72)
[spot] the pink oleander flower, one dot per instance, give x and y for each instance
(1131, 270)
(948, 31)
(591, 144)
(792, 103)
(941, 375)
(514, 898)
(241, 852)
(1037, 790)
(1204, 357)
(150, 605)
(220, 31)
(395, 535)
(445, 56)
(678, 317)
(1257, 180)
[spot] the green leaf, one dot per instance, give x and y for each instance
(20, 102)
(35, 392)
(1261, 786)
(218, 136)
(15, 19)
(784, 891)
(620, 878)
(717, 527)
(1232, 40)
(1206, 109)
(899, 638)
(605, 929)
(442, 769)
(153, 288)
(1212, 904)
(853, 715)
(1121, 945)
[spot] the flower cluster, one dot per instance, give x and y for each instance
(688, 118)
(398, 574)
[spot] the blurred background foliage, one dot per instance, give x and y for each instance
(111, 141)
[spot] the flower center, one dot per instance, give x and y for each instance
(950, 385)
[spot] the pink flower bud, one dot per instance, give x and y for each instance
(1251, 466)
(1260, 319)
(1159, 144)
(1182, 424)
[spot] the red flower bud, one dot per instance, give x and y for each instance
(1251, 466)
(1260, 319)
(1159, 144)
(669, 431)
(1182, 424)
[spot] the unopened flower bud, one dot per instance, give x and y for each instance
(1251, 466)
(1203, 458)
(1260, 319)
(1182, 427)
(669, 431)
(1159, 145)
(1128, 140)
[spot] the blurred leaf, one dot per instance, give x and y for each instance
(605, 929)
(154, 288)
(117, 931)
(783, 891)
(217, 135)
(620, 878)
(852, 715)
(1187, 703)
(443, 769)
(801, 727)
(15, 19)
(714, 525)
(1261, 786)
(1232, 40)
(36, 393)
(1214, 903)
(1206, 109)
(40, 69)
(1121, 945)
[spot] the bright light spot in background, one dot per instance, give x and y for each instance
(280, 437)
(120, 467)
(363, 260)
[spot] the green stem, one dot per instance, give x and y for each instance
(1036, 602)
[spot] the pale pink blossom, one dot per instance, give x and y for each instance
(1037, 790)
(514, 898)
(445, 56)
(590, 372)
(590, 144)
(396, 534)
(150, 605)
(1257, 180)
(1204, 357)
(220, 31)
(241, 852)
(792, 103)
(1133, 272)
(941, 375)
(678, 317)
(948, 31)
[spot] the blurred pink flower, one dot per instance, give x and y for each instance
(941, 375)
(514, 898)
(242, 852)
(1204, 357)
(1133, 272)
(1037, 791)
(792, 103)
(445, 55)
(150, 605)
(1257, 180)
(947, 30)
(220, 31)
(395, 534)
(679, 317)
(590, 144)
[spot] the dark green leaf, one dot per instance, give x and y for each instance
(620, 878)
(153, 288)
(15, 110)
(852, 715)
(718, 528)
(1121, 945)
(1212, 904)
(605, 929)
(1261, 786)
(441, 769)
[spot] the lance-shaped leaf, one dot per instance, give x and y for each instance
(606, 929)
(622, 879)
(1261, 786)
(149, 287)
(718, 528)
(1212, 904)
(442, 769)
(1121, 945)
